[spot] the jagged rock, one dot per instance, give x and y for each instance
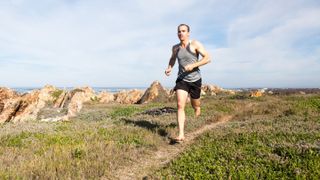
(210, 90)
(75, 104)
(257, 93)
(60, 100)
(106, 97)
(128, 97)
(213, 90)
(229, 91)
(9, 109)
(33, 102)
(9, 103)
(68, 104)
(43, 103)
(76, 98)
(6, 93)
(155, 93)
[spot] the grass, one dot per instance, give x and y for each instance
(75, 149)
(283, 143)
(56, 94)
(270, 137)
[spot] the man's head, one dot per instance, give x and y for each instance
(183, 32)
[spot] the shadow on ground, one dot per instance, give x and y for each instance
(151, 126)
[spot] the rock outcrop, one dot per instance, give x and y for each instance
(9, 103)
(53, 104)
(106, 97)
(128, 97)
(257, 93)
(9, 107)
(43, 103)
(7, 93)
(213, 90)
(77, 98)
(33, 102)
(155, 93)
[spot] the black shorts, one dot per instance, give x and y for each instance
(193, 88)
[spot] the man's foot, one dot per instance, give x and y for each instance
(179, 139)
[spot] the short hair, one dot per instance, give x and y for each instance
(188, 28)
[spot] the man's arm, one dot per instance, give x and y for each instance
(172, 61)
(202, 51)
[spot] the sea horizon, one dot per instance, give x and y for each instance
(120, 88)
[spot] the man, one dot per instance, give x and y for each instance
(189, 77)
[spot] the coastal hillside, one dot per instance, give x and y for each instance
(246, 134)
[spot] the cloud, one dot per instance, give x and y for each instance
(128, 43)
(262, 50)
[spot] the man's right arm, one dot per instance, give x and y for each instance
(172, 61)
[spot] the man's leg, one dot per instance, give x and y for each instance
(182, 96)
(196, 106)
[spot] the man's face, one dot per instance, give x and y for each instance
(183, 33)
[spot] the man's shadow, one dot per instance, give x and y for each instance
(153, 127)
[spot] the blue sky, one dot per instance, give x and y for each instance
(128, 43)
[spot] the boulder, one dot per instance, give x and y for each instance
(257, 93)
(9, 103)
(155, 93)
(39, 104)
(59, 102)
(76, 98)
(68, 104)
(9, 107)
(210, 90)
(33, 102)
(213, 90)
(128, 97)
(106, 97)
(76, 103)
(6, 93)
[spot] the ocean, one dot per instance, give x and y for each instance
(96, 89)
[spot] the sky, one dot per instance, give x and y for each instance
(111, 43)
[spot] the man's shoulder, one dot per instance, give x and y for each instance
(175, 47)
(194, 42)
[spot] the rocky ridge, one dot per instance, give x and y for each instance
(53, 104)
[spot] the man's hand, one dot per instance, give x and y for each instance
(168, 71)
(188, 67)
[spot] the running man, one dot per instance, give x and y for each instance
(189, 77)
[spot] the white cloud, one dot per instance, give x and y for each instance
(127, 43)
(261, 50)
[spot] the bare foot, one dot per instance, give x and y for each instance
(179, 139)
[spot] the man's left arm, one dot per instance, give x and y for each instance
(202, 51)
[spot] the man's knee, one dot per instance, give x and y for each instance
(181, 105)
(195, 103)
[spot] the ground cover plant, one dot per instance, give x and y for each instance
(273, 136)
(278, 137)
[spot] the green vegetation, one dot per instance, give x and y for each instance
(272, 145)
(124, 111)
(95, 99)
(270, 137)
(56, 94)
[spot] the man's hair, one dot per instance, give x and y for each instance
(188, 28)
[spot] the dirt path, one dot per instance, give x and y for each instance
(165, 153)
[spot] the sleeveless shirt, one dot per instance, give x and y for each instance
(186, 56)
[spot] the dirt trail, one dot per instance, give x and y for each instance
(165, 153)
